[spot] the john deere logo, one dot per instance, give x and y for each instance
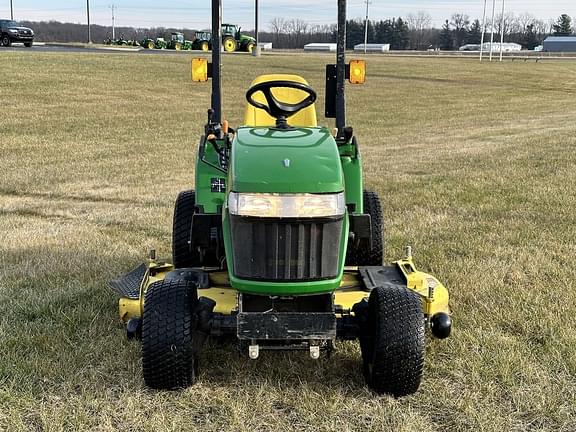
(287, 163)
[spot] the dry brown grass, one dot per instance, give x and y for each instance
(475, 165)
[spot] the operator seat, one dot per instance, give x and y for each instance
(258, 117)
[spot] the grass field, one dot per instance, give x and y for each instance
(475, 165)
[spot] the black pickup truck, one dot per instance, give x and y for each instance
(11, 31)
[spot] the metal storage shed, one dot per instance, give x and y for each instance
(560, 44)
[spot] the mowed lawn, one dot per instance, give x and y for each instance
(476, 167)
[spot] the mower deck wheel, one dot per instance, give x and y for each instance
(393, 341)
(183, 255)
(168, 324)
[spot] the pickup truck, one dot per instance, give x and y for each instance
(11, 31)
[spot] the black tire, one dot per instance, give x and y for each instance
(364, 254)
(28, 44)
(168, 360)
(183, 255)
(393, 343)
(6, 41)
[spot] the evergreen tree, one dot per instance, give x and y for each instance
(446, 41)
(563, 26)
(531, 40)
(401, 35)
(474, 34)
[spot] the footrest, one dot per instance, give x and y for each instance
(128, 285)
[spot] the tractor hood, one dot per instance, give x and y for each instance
(298, 160)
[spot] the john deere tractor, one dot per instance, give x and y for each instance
(280, 245)
(234, 40)
(158, 43)
(178, 42)
(202, 41)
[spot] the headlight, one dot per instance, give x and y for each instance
(286, 205)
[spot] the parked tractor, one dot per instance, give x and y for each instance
(178, 43)
(202, 41)
(149, 43)
(234, 40)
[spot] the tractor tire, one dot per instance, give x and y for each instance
(229, 44)
(6, 41)
(183, 255)
(392, 341)
(151, 45)
(250, 48)
(364, 255)
(168, 324)
(204, 46)
(178, 47)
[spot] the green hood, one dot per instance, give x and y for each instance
(299, 160)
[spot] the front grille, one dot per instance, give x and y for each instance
(285, 249)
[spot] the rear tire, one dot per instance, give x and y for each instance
(168, 324)
(393, 341)
(363, 254)
(183, 254)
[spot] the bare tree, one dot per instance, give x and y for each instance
(418, 23)
(461, 23)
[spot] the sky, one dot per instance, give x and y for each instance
(195, 14)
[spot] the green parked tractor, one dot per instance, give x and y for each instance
(280, 245)
(149, 43)
(202, 41)
(178, 43)
(234, 40)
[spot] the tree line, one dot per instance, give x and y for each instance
(414, 32)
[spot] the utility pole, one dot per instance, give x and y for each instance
(483, 31)
(492, 29)
(11, 11)
(366, 26)
(502, 32)
(88, 14)
(113, 7)
(256, 49)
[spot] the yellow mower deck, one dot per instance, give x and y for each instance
(353, 288)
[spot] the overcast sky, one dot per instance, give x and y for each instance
(196, 13)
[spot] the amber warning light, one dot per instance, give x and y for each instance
(357, 72)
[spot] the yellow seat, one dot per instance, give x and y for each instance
(258, 117)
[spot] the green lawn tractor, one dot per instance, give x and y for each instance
(234, 40)
(280, 245)
(158, 43)
(178, 43)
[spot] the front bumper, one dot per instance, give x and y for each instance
(21, 38)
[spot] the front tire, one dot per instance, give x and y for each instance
(168, 324)
(204, 47)
(6, 41)
(28, 44)
(229, 44)
(183, 254)
(393, 341)
(250, 48)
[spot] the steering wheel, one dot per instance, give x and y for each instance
(277, 109)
